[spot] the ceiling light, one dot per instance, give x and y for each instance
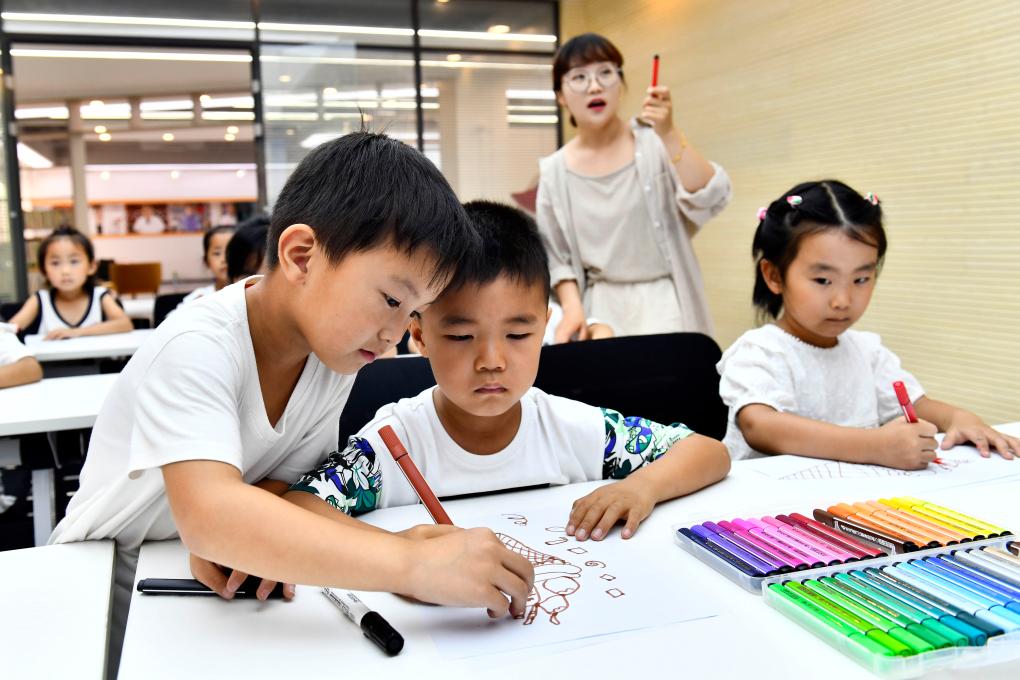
(321, 28)
(498, 28)
(104, 175)
(290, 132)
(31, 158)
(453, 57)
(489, 35)
(442, 2)
(228, 115)
(204, 99)
(100, 129)
(105, 137)
(240, 174)
(129, 54)
(168, 136)
(329, 92)
(284, 78)
(232, 129)
(530, 94)
(229, 137)
(51, 112)
(174, 174)
(533, 119)
(97, 102)
(124, 21)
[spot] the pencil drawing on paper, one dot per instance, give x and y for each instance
(839, 470)
(555, 581)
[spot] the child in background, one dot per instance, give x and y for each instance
(73, 305)
(233, 397)
(484, 427)
(809, 385)
(17, 365)
(214, 245)
(247, 248)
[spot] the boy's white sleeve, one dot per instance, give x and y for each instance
(11, 349)
(187, 407)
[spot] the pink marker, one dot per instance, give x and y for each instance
(795, 557)
(806, 552)
(819, 548)
(846, 555)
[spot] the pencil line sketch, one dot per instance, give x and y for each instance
(555, 581)
(519, 520)
(615, 592)
(839, 470)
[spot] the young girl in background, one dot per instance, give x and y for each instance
(807, 384)
(73, 305)
(214, 246)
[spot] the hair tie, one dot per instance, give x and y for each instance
(871, 198)
(761, 213)
(794, 201)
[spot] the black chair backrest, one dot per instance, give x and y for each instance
(9, 309)
(666, 378)
(164, 305)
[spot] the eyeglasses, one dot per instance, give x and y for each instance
(579, 79)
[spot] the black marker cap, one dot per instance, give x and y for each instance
(381, 633)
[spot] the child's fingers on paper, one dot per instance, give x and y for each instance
(522, 567)
(496, 604)
(634, 519)
(591, 517)
(1001, 444)
(609, 519)
(514, 586)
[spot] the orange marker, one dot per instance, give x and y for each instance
(951, 536)
(845, 511)
(923, 538)
(414, 478)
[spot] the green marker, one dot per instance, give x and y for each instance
(792, 599)
(894, 647)
(825, 588)
(848, 587)
(920, 621)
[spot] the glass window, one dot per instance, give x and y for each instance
(488, 121)
(492, 25)
(361, 22)
(314, 93)
(223, 19)
(8, 276)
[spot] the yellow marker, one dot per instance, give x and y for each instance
(959, 516)
(971, 530)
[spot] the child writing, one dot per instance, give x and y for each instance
(234, 396)
(809, 385)
(73, 305)
(484, 427)
(214, 247)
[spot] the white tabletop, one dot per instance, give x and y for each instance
(53, 404)
(57, 628)
(87, 347)
(139, 308)
(211, 638)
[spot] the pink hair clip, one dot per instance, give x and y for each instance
(761, 213)
(794, 200)
(871, 198)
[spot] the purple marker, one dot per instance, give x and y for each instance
(816, 547)
(728, 546)
(778, 565)
(758, 537)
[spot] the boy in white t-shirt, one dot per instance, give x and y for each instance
(238, 393)
(485, 428)
(17, 365)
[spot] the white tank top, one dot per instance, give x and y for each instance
(50, 319)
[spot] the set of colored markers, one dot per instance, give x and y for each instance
(902, 616)
(749, 550)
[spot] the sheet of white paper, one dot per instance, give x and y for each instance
(582, 590)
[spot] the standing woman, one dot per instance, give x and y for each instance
(618, 204)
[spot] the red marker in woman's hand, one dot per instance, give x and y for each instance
(655, 70)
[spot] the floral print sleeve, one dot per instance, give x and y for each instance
(349, 480)
(632, 442)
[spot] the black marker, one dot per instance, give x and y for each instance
(372, 624)
(189, 586)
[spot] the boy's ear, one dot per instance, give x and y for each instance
(773, 277)
(415, 329)
(295, 247)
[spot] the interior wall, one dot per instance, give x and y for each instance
(915, 100)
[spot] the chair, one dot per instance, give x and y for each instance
(164, 305)
(134, 278)
(9, 309)
(666, 378)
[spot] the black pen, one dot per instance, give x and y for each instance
(372, 624)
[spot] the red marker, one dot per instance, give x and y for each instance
(655, 71)
(414, 478)
(908, 408)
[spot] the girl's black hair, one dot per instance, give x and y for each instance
(77, 238)
(207, 238)
(823, 205)
(586, 48)
(247, 248)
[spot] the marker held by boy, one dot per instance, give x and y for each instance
(374, 626)
(414, 478)
(908, 408)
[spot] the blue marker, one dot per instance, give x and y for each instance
(924, 595)
(988, 580)
(722, 554)
(974, 588)
(963, 598)
(979, 559)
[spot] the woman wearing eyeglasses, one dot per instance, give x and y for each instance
(618, 204)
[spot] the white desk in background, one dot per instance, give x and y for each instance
(211, 638)
(55, 610)
(87, 347)
(50, 405)
(139, 308)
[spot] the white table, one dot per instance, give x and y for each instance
(51, 405)
(55, 610)
(87, 347)
(747, 639)
(139, 308)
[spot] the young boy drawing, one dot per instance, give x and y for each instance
(485, 428)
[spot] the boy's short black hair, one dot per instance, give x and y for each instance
(511, 246)
(364, 189)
